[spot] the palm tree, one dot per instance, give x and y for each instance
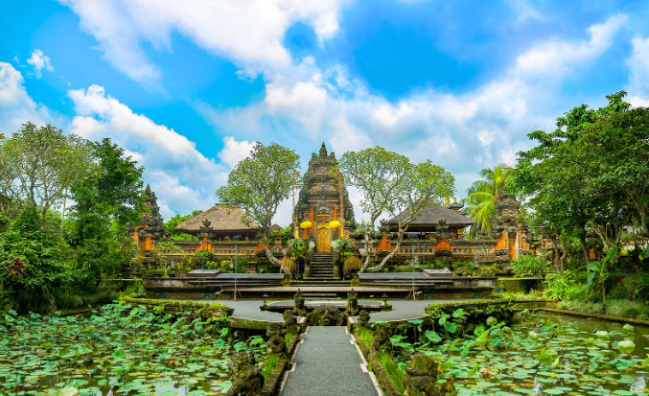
(483, 193)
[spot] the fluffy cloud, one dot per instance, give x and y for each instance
(16, 106)
(39, 61)
(638, 65)
(459, 131)
(558, 57)
(180, 175)
(234, 151)
(249, 32)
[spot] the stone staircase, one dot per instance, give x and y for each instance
(322, 267)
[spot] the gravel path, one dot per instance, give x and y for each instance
(328, 364)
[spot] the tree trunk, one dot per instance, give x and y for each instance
(273, 260)
(385, 259)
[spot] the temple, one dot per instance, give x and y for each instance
(323, 213)
(324, 208)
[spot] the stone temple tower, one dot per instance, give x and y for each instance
(323, 199)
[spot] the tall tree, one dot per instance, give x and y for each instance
(392, 185)
(107, 202)
(172, 223)
(39, 164)
(259, 183)
(483, 193)
(578, 177)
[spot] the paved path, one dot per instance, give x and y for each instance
(249, 309)
(328, 364)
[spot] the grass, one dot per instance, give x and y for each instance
(392, 369)
(620, 308)
(269, 366)
(522, 296)
(366, 337)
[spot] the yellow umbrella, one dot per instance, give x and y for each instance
(305, 224)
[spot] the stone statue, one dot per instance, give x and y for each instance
(290, 323)
(421, 376)
(382, 334)
(276, 342)
(352, 304)
(299, 307)
(325, 315)
(245, 375)
(363, 319)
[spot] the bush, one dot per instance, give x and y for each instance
(528, 265)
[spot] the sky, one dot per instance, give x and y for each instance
(186, 88)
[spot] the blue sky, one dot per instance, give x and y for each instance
(187, 87)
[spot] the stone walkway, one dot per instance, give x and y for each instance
(328, 364)
(249, 309)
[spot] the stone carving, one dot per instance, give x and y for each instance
(421, 376)
(206, 230)
(382, 334)
(245, 375)
(364, 319)
(276, 342)
(352, 304)
(443, 253)
(325, 315)
(299, 305)
(501, 252)
(290, 323)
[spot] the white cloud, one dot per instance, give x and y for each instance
(525, 10)
(234, 151)
(309, 105)
(39, 61)
(182, 178)
(638, 65)
(16, 106)
(558, 57)
(249, 32)
(485, 137)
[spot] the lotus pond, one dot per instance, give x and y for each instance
(119, 349)
(542, 354)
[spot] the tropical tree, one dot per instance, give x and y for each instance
(392, 185)
(483, 193)
(589, 175)
(35, 262)
(40, 164)
(259, 183)
(172, 223)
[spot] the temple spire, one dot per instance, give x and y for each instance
(323, 150)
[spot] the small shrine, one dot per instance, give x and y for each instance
(152, 227)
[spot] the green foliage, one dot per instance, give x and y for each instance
(557, 284)
(117, 346)
(482, 195)
(259, 183)
(35, 262)
(391, 184)
(528, 265)
(172, 223)
(269, 365)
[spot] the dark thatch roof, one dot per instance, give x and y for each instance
(221, 218)
(432, 215)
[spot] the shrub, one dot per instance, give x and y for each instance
(528, 265)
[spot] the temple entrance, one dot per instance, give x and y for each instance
(324, 234)
(511, 245)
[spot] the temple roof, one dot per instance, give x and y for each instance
(221, 219)
(432, 215)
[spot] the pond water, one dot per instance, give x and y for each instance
(547, 355)
(119, 350)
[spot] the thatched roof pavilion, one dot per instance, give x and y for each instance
(224, 222)
(430, 217)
